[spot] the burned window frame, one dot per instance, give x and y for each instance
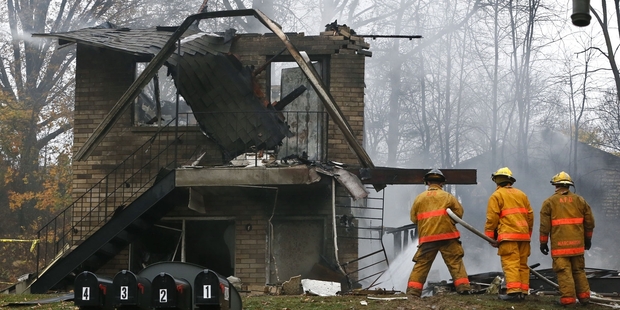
(172, 96)
(325, 62)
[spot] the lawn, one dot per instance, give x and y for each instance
(349, 302)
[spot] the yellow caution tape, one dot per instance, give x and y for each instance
(34, 242)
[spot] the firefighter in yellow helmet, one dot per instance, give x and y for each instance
(510, 221)
(567, 217)
(437, 233)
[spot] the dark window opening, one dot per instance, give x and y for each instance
(156, 105)
(211, 244)
(206, 243)
(162, 243)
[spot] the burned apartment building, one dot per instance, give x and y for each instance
(240, 153)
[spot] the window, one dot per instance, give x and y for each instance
(305, 115)
(147, 111)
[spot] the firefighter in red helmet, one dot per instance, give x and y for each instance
(436, 233)
(567, 217)
(510, 220)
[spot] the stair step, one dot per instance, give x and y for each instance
(95, 261)
(123, 237)
(109, 249)
(139, 225)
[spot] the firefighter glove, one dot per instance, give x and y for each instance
(588, 243)
(544, 248)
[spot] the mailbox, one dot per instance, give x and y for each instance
(169, 292)
(131, 291)
(92, 292)
(211, 291)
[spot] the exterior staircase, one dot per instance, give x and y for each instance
(65, 249)
(116, 234)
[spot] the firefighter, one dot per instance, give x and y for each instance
(436, 233)
(567, 217)
(510, 220)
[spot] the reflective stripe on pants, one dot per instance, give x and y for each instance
(572, 277)
(514, 256)
(452, 253)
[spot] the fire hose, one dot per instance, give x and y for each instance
(493, 242)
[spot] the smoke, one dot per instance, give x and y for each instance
(548, 154)
(396, 276)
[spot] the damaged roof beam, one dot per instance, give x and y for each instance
(132, 92)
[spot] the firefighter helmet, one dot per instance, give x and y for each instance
(503, 175)
(562, 179)
(434, 175)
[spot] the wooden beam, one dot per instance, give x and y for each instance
(386, 175)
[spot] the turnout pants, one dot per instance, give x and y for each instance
(452, 253)
(514, 256)
(572, 279)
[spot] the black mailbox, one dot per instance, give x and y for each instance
(170, 293)
(131, 291)
(92, 292)
(211, 291)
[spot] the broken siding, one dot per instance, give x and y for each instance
(346, 72)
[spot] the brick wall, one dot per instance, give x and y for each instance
(102, 76)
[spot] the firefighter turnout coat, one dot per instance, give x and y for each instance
(567, 217)
(429, 213)
(509, 215)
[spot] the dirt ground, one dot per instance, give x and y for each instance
(446, 301)
(438, 302)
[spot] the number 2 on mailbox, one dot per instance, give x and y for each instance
(163, 295)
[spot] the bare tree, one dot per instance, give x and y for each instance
(577, 104)
(36, 86)
(522, 55)
(603, 19)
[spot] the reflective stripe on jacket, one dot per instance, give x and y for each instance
(509, 215)
(429, 213)
(567, 217)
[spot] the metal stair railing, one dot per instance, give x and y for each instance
(116, 190)
(129, 179)
(362, 221)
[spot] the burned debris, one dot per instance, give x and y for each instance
(226, 101)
